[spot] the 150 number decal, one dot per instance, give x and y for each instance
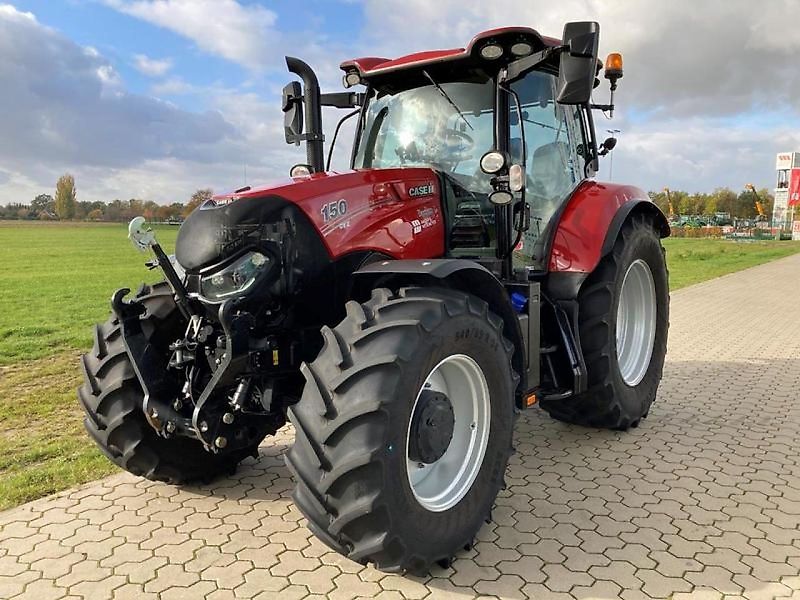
(333, 210)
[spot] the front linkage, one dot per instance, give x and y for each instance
(218, 400)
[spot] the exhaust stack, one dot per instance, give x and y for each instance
(314, 137)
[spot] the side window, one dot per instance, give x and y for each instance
(551, 162)
(577, 125)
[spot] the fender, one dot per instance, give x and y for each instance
(647, 207)
(460, 274)
(591, 221)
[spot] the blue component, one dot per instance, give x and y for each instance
(519, 301)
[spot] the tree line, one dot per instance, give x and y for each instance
(65, 206)
(741, 205)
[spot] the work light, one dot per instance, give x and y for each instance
(521, 49)
(492, 51)
(492, 162)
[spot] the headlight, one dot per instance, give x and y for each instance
(235, 278)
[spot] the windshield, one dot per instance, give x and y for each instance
(422, 127)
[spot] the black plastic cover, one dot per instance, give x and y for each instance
(217, 231)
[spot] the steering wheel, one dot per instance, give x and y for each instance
(439, 150)
(464, 142)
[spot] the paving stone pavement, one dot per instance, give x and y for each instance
(701, 501)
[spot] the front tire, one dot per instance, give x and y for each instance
(623, 321)
(358, 432)
(111, 398)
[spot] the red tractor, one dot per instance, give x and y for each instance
(402, 313)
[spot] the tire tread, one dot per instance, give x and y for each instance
(324, 460)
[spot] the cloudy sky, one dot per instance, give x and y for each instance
(156, 98)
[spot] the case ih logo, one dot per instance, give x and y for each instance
(421, 190)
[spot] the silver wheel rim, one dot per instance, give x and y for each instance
(636, 322)
(442, 484)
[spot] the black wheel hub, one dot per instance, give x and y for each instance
(431, 427)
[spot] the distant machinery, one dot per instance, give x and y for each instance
(761, 216)
(673, 216)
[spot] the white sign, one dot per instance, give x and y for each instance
(796, 231)
(787, 160)
(779, 209)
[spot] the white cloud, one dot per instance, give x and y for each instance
(108, 76)
(682, 57)
(698, 154)
(244, 34)
(152, 67)
(65, 109)
(174, 86)
(10, 13)
(68, 110)
(700, 80)
(688, 65)
(774, 27)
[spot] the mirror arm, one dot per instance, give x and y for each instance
(591, 166)
(336, 134)
(518, 68)
(342, 99)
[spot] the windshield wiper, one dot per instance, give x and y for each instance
(446, 97)
(544, 125)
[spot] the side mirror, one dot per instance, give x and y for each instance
(578, 62)
(292, 106)
(607, 146)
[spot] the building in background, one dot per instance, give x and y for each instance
(787, 192)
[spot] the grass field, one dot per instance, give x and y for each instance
(694, 260)
(56, 281)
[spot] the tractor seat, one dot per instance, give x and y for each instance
(551, 177)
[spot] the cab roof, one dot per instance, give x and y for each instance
(372, 66)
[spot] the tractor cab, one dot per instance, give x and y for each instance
(505, 123)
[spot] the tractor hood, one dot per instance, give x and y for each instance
(396, 212)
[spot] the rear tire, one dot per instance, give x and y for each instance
(111, 398)
(350, 456)
(622, 382)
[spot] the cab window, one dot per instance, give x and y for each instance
(551, 163)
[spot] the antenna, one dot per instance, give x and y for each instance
(613, 133)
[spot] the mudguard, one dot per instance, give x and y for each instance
(464, 275)
(591, 222)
